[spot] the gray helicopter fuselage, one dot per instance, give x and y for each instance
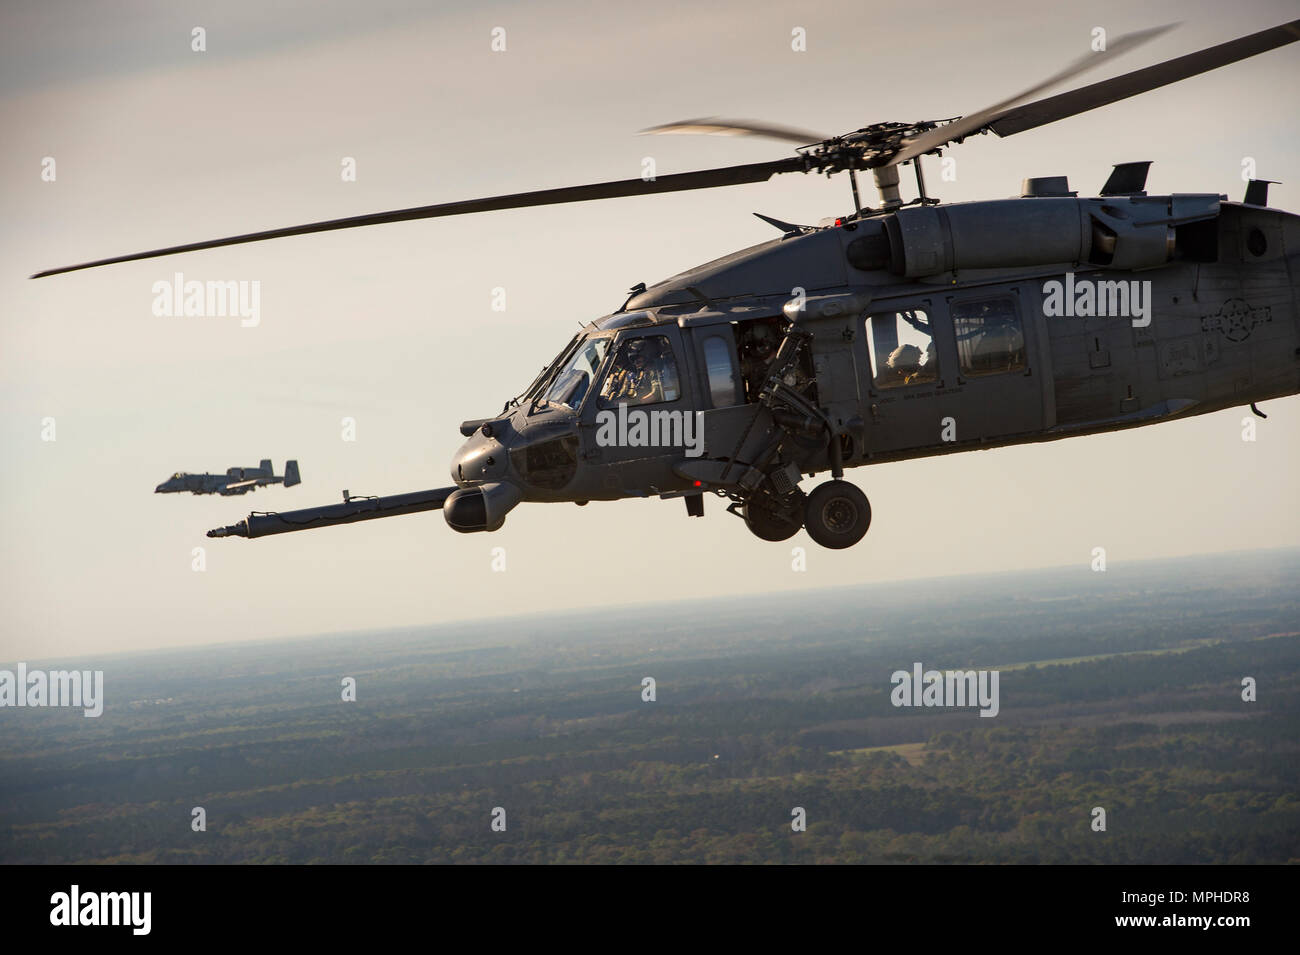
(930, 330)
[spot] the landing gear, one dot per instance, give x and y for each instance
(774, 519)
(837, 514)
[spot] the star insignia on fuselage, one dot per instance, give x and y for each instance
(1236, 319)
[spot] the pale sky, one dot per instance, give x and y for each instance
(392, 325)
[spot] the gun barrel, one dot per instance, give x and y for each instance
(349, 512)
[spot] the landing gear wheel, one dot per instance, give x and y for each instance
(837, 514)
(766, 522)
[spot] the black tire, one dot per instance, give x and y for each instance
(766, 524)
(837, 514)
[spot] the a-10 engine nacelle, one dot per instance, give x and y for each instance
(1117, 232)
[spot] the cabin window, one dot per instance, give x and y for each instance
(644, 372)
(903, 351)
(990, 339)
(721, 371)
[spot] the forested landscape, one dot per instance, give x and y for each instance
(1119, 690)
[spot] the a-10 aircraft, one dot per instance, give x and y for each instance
(234, 481)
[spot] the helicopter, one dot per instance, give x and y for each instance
(887, 333)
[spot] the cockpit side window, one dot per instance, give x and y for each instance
(643, 372)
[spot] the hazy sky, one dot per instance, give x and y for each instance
(155, 144)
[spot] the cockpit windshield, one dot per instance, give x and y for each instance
(570, 384)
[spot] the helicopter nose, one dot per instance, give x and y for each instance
(483, 458)
(480, 459)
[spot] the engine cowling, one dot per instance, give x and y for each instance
(1130, 232)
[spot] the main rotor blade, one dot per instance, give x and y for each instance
(677, 182)
(737, 127)
(966, 125)
(1052, 108)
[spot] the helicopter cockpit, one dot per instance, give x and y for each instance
(570, 384)
(643, 372)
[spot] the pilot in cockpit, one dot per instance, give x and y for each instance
(635, 377)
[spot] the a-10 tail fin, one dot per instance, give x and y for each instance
(266, 467)
(291, 474)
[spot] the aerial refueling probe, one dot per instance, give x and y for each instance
(353, 509)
